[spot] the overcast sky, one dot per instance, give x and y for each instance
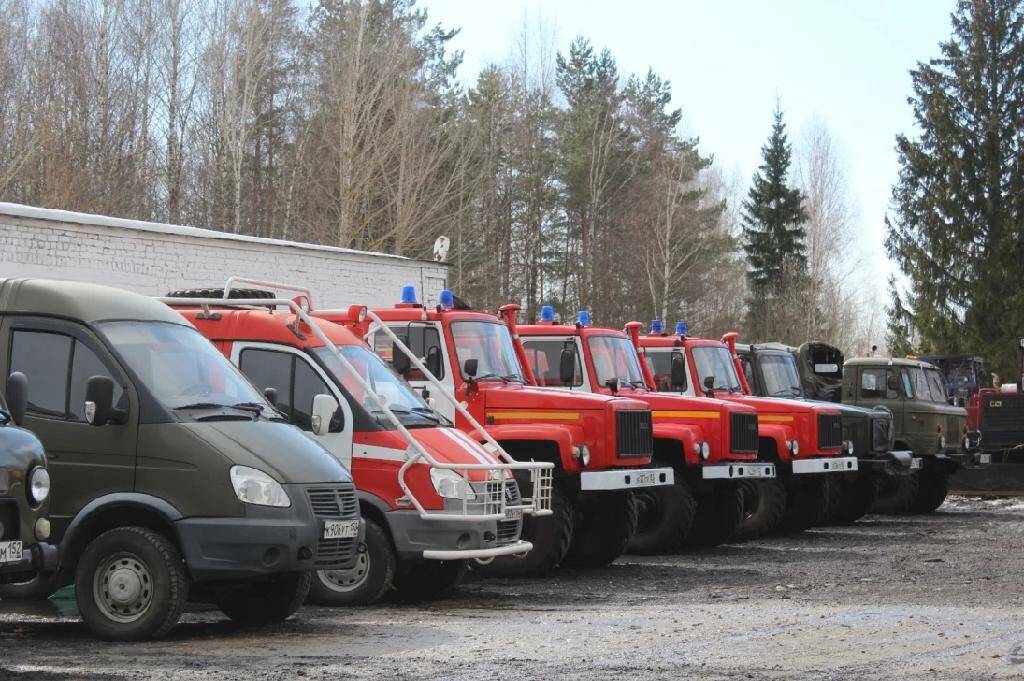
(843, 62)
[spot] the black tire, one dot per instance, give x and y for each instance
(237, 293)
(367, 581)
(806, 505)
(856, 498)
(605, 522)
(550, 536)
(39, 588)
(429, 579)
(665, 516)
(274, 599)
(835, 498)
(899, 498)
(131, 585)
(932, 491)
(764, 503)
(719, 514)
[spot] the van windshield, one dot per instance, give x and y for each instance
(410, 409)
(179, 367)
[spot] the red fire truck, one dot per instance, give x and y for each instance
(711, 444)
(805, 441)
(430, 496)
(471, 365)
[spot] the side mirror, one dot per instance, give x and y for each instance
(400, 362)
(567, 365)
(470, 367)
(17, 396)
(709, 384)
(99, 402)
(433, 360)
(271, 395)
(324, 407)
(613, 384)
(678, 376)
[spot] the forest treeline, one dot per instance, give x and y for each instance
(558, 179)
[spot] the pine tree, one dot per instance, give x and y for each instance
(773, 219)
(958, 229)
(899, 337)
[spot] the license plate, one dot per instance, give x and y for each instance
(341, 529)
(915, 463)
(984, 458)
(513, 514)
(645, 478)
(10, 551)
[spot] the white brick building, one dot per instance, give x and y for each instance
(153, 258)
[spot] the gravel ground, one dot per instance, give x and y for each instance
(933, 597)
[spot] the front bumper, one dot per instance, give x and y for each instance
(625, 478)
(835, 464)
(416, 538)
(889, 464)
(271, 540)
(738, 470)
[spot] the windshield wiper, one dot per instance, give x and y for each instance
(489, 374)
(249, 407)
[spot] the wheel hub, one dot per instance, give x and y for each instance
(123, 588)
(350, 579)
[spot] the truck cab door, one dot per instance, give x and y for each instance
(297, 379)
(428, 344)
(58, 357)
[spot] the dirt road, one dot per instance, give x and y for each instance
(934, 597)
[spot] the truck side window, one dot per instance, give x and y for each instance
(308, 385)
(58, 368)
(269, 369)
(544, 356)
(419, 338)
(873, 385)
(907, 390)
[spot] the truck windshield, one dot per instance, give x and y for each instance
(410, 409)
(780, 375)
(937, 385)
(179, 367)
(615, 358)
(714, 360)
(490, 344)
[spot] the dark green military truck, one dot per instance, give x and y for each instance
(925, 422)
(173, 479)
(24, 492)
(869, 434)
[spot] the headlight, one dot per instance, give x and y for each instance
(256, 487)
(582, 454)
(942, 441)
(848, 447)
(39, 485)
(705, 450)
(451, 485)
(794, 447)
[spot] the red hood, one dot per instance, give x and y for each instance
(505, 396)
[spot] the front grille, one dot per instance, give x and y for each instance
(743, 433)
(882, 433)
(9, 529)
(336, 503)
(830, 431)
(1002, 420)
(510, 530)
(634, 433)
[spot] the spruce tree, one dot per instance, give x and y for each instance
(773, 232)
(958, 227)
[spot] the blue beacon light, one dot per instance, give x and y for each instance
(547, 313)
(583, 318)
(657, 326)
(408, 293)
(680, 328)
(447, 299)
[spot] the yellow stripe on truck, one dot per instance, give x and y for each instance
(686, 414)
(533, 416)
(774, 418)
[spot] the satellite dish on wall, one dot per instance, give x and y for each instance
(441, 247)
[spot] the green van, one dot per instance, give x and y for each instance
(174, 480)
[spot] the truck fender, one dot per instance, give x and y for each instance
(562, 435)
(685, 434)
(780, 434)
(73, 542)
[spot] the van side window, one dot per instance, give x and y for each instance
(873, 385)
(58, 368)
(419, 338)
(545, 356)
(294, 380)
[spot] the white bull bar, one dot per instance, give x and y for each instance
(489, 504)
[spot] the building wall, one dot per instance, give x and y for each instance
(154, 259)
